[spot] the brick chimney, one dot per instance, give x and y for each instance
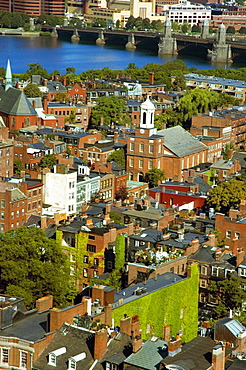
(131, 198)
(240, 257)
(241, 341)
(44, 303)
(218, 357)
(233, 213)
(166, 333)
(100, 346)
(234, 245)
(88, 222)
(107, 208)
(34, 104)
(118, 203)
(43, 222)
(45, 104)
(125, 325)
(174, 347)
(116, 137)
(211, 240)
(151, 78)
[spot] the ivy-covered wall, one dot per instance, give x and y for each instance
(175, 305)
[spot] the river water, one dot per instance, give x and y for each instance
(54, 53)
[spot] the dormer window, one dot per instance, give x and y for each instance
(54, 354)
(72, 361)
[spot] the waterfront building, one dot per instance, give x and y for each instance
(34, 7)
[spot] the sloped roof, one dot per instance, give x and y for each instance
(150, 355)
(15, 102)
(181, 142)
(75, 340)
(233, 325)
(17, 194)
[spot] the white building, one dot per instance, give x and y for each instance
(87, 186)
(187, 12)
(60, 189)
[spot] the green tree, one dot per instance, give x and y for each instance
(226, 151)
(118, 156)
(227, 195)
(225, 99)
(154, 176)
(48, 161)
(115, 216)
(130, 23)
(231, 30)
(139, 23)
(62, 97)
(175, 26)
(185, 27)
(229, 294)
(33, 266)
(71, 119)
(32, 91)
(179, 84)
(110, 109)
(196, 28)
(117, 24)
(242, 30)
(35, 69)
(119, 253)
(70, 70)
(18, 167)
(157, 25)
(99, 23)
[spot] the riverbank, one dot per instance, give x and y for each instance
(17, 32)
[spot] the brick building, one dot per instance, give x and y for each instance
(34, 7)
(16, 110)
(6, 154)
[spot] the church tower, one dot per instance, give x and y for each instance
(8, 76)
(146, 126)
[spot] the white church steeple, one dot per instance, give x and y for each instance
(8, 76)
(146, 126)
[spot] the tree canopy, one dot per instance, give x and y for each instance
(227, 195)
(48, 161)
(154, 176)
(32, 91)
(229, 294)
(33, 266)
(109, 109)
(118, 156)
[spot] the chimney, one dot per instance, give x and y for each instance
(108, 314)
(166, 333)
(131, 206)
(64, 81)
(131, 198)
(137, 344)
(22, 173)
(118, 203)
(211, 240)
(43, 222)
(88, 222)
(241, 341)
(44, 303)
(100, 346)
(234, 245)
(218, 357)
(240, 257)
(174, 347)
(116, 137)
(233, 213)
(151, 78)
(195, 245)
(130, 228)
(125, 325)
(34, 104)
(45, 104)
(107, 208)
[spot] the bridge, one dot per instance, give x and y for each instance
(217, 48)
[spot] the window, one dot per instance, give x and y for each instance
(2, 203)
(215, 271)
(242, 271)
(228, 234)
(86, 259)
(12, 215)
(4, 355)
(131, 147)
(140, 163)
(203, 283)
(96, 261)
(141, 147)
(91, 248)
(72, 258)
(203, 270)
(95, 273)
(2, 215)
(72, 364)
(85, 272)
(151, 148)
(131, 162)
(52, 359)
(237, 235)
(23, 359)
(150, 165)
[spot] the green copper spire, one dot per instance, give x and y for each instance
(8, 76)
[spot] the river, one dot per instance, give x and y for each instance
(54, 53)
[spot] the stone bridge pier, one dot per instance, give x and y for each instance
(221, 51)
(100, 40)
(130, 45)
(167, 44)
